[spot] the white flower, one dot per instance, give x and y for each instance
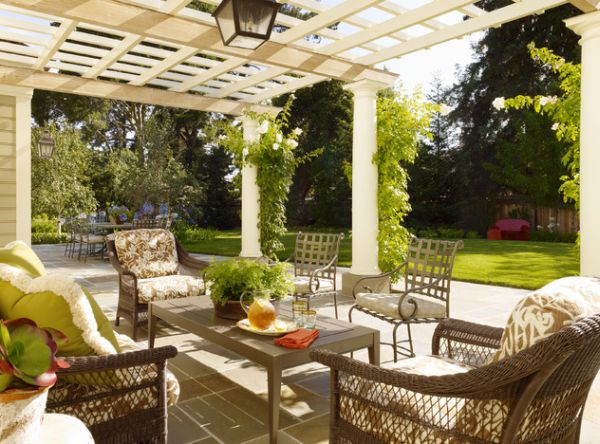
(445, 110)
(293, 96)
(278, 138)
(292, 143)
(498, 103)
(245, 152)
(275, 146)
(555, 126)
(264, 127)
(297, 131)
(548, 100)
(222, 137)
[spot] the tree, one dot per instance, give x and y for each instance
(433, 186)
(502, 68)
(60, 186)
(320, 193)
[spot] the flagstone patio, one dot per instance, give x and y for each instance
(223, 396)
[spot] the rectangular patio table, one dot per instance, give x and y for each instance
(196, 315)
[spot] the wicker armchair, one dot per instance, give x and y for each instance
(427, 275)
(315, 265)
(121, 398)
(534, 396)
(133, 297)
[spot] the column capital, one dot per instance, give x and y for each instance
(586, 25)
(365, 87)
(17, 91)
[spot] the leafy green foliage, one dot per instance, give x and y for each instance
(190, 233)
(563, 110)
(402, 122)
(60, 186)
(27, 354)
(229, 279)
(502, 68)
(275, 160)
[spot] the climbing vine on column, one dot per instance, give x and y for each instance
(402, 122)
(274, 156)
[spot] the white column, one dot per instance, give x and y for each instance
(588, 27)
(15, 164)
(250, 198)
(365, 219)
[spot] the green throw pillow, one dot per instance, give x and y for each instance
(53, 301)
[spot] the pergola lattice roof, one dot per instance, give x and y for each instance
(164, 52)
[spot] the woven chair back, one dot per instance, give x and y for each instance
(314, 251)
(146, 223)
(429, 265)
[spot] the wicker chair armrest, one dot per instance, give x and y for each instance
(359, 285)
(189, 261)
(467, 342)
(484, 382)
(120, 398)
(87, 364)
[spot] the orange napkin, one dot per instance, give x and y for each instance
(301, 338)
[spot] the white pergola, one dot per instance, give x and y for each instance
(165, 53)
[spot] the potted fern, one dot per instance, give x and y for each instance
(228, 280)
(28, 367)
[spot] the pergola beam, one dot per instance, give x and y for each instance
(490, 19)
(585, 5)
(61, 34)
(130, 19)
(209, 74)
(287, 88)
(410, 18)
(30, 78)
(128, 43)
(173, 60)
(249, 81)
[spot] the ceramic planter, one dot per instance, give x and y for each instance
(21, 414)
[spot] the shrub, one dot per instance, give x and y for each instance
(190, 233)
(472, 235)
(43, 224)
(428, 233)
(48, 238)
(552, 236)
(451, 233)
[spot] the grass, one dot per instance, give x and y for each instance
(517, 264)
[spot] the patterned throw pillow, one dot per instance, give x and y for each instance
(547, 311)
(148, 252)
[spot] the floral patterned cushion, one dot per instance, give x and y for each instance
(387, 304)
(547, 311)
(148, 252)
(169, 287)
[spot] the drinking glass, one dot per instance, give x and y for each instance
(309, 319)
(298, 308)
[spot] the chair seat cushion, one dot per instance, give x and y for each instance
(388, 411)
(169, 287)
(302, 285)
(387, 304)
(94, 239)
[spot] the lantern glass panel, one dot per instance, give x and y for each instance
(255, 17)
(226, 21)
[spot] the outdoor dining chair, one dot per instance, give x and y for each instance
(315, 265)
(425, 298)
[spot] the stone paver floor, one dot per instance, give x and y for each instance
(223, 396)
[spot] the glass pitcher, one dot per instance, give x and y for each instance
(257, 305)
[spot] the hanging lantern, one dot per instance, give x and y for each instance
(246, 23)
(46, 145)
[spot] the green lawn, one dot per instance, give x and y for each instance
(510, 263)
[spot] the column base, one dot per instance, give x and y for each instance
(349, 281)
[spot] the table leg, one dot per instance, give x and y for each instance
(274, 381)
(152, 320)
(374, 350)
